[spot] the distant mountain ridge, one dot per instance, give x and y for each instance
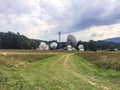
(116, 40)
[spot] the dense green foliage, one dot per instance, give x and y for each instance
(112, 47)
(99, 45)
(11, 40)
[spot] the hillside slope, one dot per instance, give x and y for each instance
(116, 40)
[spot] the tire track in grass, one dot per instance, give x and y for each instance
(58, 60)
(65, 63)
(80, 76)
(55, 67)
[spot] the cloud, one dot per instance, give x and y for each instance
(90, 13)
(71, 16)
(98, 32)
(43, 18)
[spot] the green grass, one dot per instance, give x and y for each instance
(65, 71)
(104, 60)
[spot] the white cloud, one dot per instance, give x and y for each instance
(98, 33)
(43, 19)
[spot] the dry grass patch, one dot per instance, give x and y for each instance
(22, 57)
(106, 60)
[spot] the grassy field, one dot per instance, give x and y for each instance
(23, 57)
(35, 70)
(105, 60)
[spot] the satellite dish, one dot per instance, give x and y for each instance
(71, 40)
(81, 47)
(69, 48)
(42, 46)
(53, 45)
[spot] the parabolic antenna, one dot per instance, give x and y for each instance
(69, 47)
(42, 46)
(81, 47)
(71, 40)
(53, 45)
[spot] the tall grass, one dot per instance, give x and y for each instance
(105, 60)
(22, 57)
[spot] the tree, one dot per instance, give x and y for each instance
(92, 45)
(11, 40)
(111, 47)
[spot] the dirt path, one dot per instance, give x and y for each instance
(66, 65)
(66, 58)
(58, 60)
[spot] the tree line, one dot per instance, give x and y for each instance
(99, 45)
(11, 40)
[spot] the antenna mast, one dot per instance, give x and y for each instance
(59, 37)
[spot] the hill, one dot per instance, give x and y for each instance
(116, 40)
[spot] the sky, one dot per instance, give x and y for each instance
(43, 19)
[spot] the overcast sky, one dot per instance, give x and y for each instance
(43, 19)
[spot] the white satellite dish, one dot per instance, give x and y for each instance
(81, 47)
(42, 46)
(53, 45)
(69, 48)
(71, 40)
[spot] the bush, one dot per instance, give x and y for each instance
(112, 47)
